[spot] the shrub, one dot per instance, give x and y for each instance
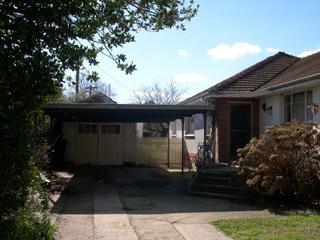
(285, 160)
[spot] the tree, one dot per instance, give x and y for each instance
(87, 87)
(156, 93)
(39, 40)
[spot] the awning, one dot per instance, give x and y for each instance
(101, 112)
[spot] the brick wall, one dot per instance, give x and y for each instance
(222, 124)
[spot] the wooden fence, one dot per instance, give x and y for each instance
(154, 152)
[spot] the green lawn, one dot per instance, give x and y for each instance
(280, 228)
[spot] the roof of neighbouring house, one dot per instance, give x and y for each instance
(255, 76)
(305, 67)
(98, 97)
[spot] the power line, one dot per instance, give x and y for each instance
(115, 80)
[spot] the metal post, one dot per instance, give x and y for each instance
(204, 135)
(168, 155)
(182, 146)
(214, 136)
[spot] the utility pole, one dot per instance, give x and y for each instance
(90, 89)
(109, 90)
(77, 82)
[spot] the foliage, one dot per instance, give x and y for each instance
(39, 40)
(285, 160)
(156, 93)
(280, 228)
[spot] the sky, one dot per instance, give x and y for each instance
(224, 38)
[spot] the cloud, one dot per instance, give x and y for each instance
(308, 52)
(183, 53)
(237, 50)
(272, 50)
(189, 77)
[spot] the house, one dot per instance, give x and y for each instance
(277, 89)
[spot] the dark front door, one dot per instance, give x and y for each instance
(240, 129)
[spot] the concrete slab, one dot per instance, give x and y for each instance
(110, 220)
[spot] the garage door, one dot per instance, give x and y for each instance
(110, 144)
(99, 144)
(87, 144)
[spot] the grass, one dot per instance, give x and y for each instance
(281, 228)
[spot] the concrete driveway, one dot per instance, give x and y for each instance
(139, 203)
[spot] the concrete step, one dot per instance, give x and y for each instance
(220, 182)
(218, 195)
(217, 188)
(214, 180)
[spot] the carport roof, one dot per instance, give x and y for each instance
(100, 112)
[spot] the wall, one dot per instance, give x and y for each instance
(270, 117)
(276, 116)
(153, 151)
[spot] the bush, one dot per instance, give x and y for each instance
(284, 161)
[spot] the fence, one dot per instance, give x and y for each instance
(154, 152)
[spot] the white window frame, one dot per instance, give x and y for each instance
(291, 105)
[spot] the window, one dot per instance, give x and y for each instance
(189, 125)
(209, 125)
(173, 127)
(87, 128)
(110, 129)
(296, 106)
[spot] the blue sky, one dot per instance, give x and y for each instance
(224, 38)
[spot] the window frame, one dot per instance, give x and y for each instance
(306, 104)
(189, 126)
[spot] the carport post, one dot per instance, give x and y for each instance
(204, 134)
(168, 154)
(182, 145)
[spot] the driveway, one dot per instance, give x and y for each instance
(139, 203)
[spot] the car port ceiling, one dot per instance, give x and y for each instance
(100, 112)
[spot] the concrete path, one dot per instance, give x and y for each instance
(140, 203)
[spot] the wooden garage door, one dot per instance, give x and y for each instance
(87, 143)
(110, 144)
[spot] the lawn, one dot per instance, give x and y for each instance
(280, 228)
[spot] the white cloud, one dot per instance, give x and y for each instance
(237, 50)
(189, 77)
(183, 53)
(308, 52)
(272, 50)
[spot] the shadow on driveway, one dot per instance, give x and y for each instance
(140, 190)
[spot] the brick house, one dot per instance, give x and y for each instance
(279, 88)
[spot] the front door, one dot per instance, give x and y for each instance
(240, 129)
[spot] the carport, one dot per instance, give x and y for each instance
(128, 113)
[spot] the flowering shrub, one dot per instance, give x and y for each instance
(284, 160)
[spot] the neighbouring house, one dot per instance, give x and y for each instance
(277, 89)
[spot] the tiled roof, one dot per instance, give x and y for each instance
(305, 67)
(255, 76)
